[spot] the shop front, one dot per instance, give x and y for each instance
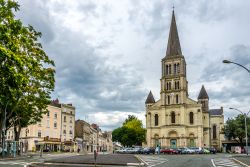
(48, 144)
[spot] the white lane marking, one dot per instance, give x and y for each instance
(152, 160)
(224, 162)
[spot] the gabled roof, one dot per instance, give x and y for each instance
(203, 93)
(174, 47)
(150, 98)
(216, 112)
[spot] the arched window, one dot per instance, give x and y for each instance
(214, 132)
(156, 119)
(169, 69)
(177, 99)
(169, 86)
(191, 117)
(173, 117)
(176, 85)
(175, 68)
(168, 99)
(178, 68)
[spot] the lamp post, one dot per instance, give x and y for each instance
(229, 62)
(245, 116)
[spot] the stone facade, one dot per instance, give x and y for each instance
(52, 133)
(176, 120)
(92, 137)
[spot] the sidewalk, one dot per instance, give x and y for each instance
(106, 159)
(32, 154)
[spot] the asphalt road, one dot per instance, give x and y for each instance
(24, 161)
(196, 160)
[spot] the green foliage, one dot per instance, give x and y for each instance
(131, 133)
(26, 74)
(235, 128)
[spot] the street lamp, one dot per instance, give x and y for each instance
(245, 116)
(229, 62)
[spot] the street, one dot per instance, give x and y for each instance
(71, 160)
(33, 159)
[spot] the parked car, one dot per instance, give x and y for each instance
(148, 150)
(196, 150)
(212, 150)
(129, 150)
(187, 151)
(137, 150)
(205, 151)
(121, 151)
(169, 151)
(180, 150)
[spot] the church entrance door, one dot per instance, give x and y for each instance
(173, 143)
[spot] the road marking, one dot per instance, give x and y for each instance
(224, 162)
(152, 160)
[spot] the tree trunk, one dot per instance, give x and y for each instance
(17, 131)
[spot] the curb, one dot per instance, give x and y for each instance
(90, 164)
(239, 162)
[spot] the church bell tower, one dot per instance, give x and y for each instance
(174, 86)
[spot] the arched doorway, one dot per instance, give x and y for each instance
(173, 139)
(191, 140)
(157, 141)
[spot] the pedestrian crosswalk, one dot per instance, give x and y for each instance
(224, 162)
(152, 160)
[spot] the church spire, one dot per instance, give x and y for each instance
(150, 98)
(203, 93)
(174, 47)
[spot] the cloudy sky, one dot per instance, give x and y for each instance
(108, 53)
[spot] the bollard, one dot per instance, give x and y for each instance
(95, 156)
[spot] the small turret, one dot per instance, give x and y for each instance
(203, 99)
(150, 99)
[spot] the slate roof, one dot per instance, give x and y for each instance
(203, 93)
(150, 98)
(174, 47)
(216, 112)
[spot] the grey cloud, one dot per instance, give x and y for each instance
(217, 71)
(81, 71)
(36, 13)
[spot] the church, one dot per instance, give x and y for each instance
(175, 120)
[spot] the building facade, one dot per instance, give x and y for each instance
(52, 133)
(92, 137)
(176, 120)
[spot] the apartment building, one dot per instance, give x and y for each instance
(92, 137)
(54, 132)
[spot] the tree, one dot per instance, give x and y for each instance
(26, 74)
(235, 129)
(131, 133)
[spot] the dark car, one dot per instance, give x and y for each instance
(212, 150)
(138, 151)
(148, 150)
